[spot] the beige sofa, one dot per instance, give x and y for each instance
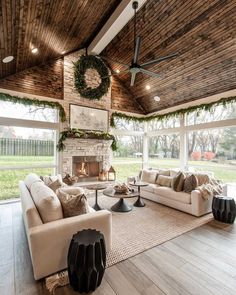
(192, 203)
(49, 242)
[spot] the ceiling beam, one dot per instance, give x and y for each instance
(120, 17)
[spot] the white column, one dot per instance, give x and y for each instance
(183, 144)
(145, 146)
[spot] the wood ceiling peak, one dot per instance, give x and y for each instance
(50, 25)
(202, 32)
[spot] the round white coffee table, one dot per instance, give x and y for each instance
(121, 205)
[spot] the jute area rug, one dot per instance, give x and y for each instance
(143, 228)
(138, 230)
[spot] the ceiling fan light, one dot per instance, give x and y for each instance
(34, 50)
(8, 59)
(148, 87)
(157, 98)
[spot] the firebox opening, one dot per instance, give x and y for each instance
(86, 168)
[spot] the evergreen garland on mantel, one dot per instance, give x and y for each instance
(35, 102)
(78, 133)
(198, 108)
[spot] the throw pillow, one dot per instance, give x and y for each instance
(174, 172)
(46, 201)
(163, 180)
(190, 183)
(149, 176)
(164, 172)
(54, 185)
(73, 202)
(48, 179)
(178, 182)
(202, 178)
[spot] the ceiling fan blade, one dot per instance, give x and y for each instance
(137, 49)
(154, 61)
(132, 79)
(152, 74)
(116, 74)
(112, 60)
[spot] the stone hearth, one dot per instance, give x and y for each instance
(86, 149)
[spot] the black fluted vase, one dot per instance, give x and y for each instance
(86, 260)
(224, 209)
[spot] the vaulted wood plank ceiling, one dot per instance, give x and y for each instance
(53, 26)
(204, 35)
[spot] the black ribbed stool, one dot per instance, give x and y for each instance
(224, 209)
(86, 260)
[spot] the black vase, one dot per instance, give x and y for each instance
(224, 209)
(86, 260)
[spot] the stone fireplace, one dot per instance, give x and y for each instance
(86, 158)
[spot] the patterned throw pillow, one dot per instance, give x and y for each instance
(178, 182)
(163, 180)
(190, 183)
(73, 202)
(54, 185)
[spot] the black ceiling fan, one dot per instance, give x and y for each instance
(135, 68)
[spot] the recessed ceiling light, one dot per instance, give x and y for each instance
(117, 71)
(34, 50)
(157, 98)
(8, 59)
(148, 87)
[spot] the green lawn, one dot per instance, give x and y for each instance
(124, 167)
(9, 178)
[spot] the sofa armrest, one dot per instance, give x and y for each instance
(200, 206)
(49, 243)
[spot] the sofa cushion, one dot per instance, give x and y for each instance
(164, 180)
(74, 202)
(149, 188)
(178, 182)
(169, 193)
(46, 201)
(30, 179)
(190, 183)
(149, 176)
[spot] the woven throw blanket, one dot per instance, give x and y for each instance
(210, 189)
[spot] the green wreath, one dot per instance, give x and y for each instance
(81, 66)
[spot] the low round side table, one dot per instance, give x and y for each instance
(224, 209)
(96, 188)
(139, 202)
(86, 260)
(121, 205)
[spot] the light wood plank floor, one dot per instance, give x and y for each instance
(202, 261)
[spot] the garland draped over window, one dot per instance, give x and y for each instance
(78, 133)
(198, 108)
(35, 102)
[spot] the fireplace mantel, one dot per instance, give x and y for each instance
(86, 147)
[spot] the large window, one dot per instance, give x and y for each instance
(25, 149)
(127, 160)
(164, 151)
(214, 150)
(202, 140)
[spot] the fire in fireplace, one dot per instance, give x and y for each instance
(86, 168)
